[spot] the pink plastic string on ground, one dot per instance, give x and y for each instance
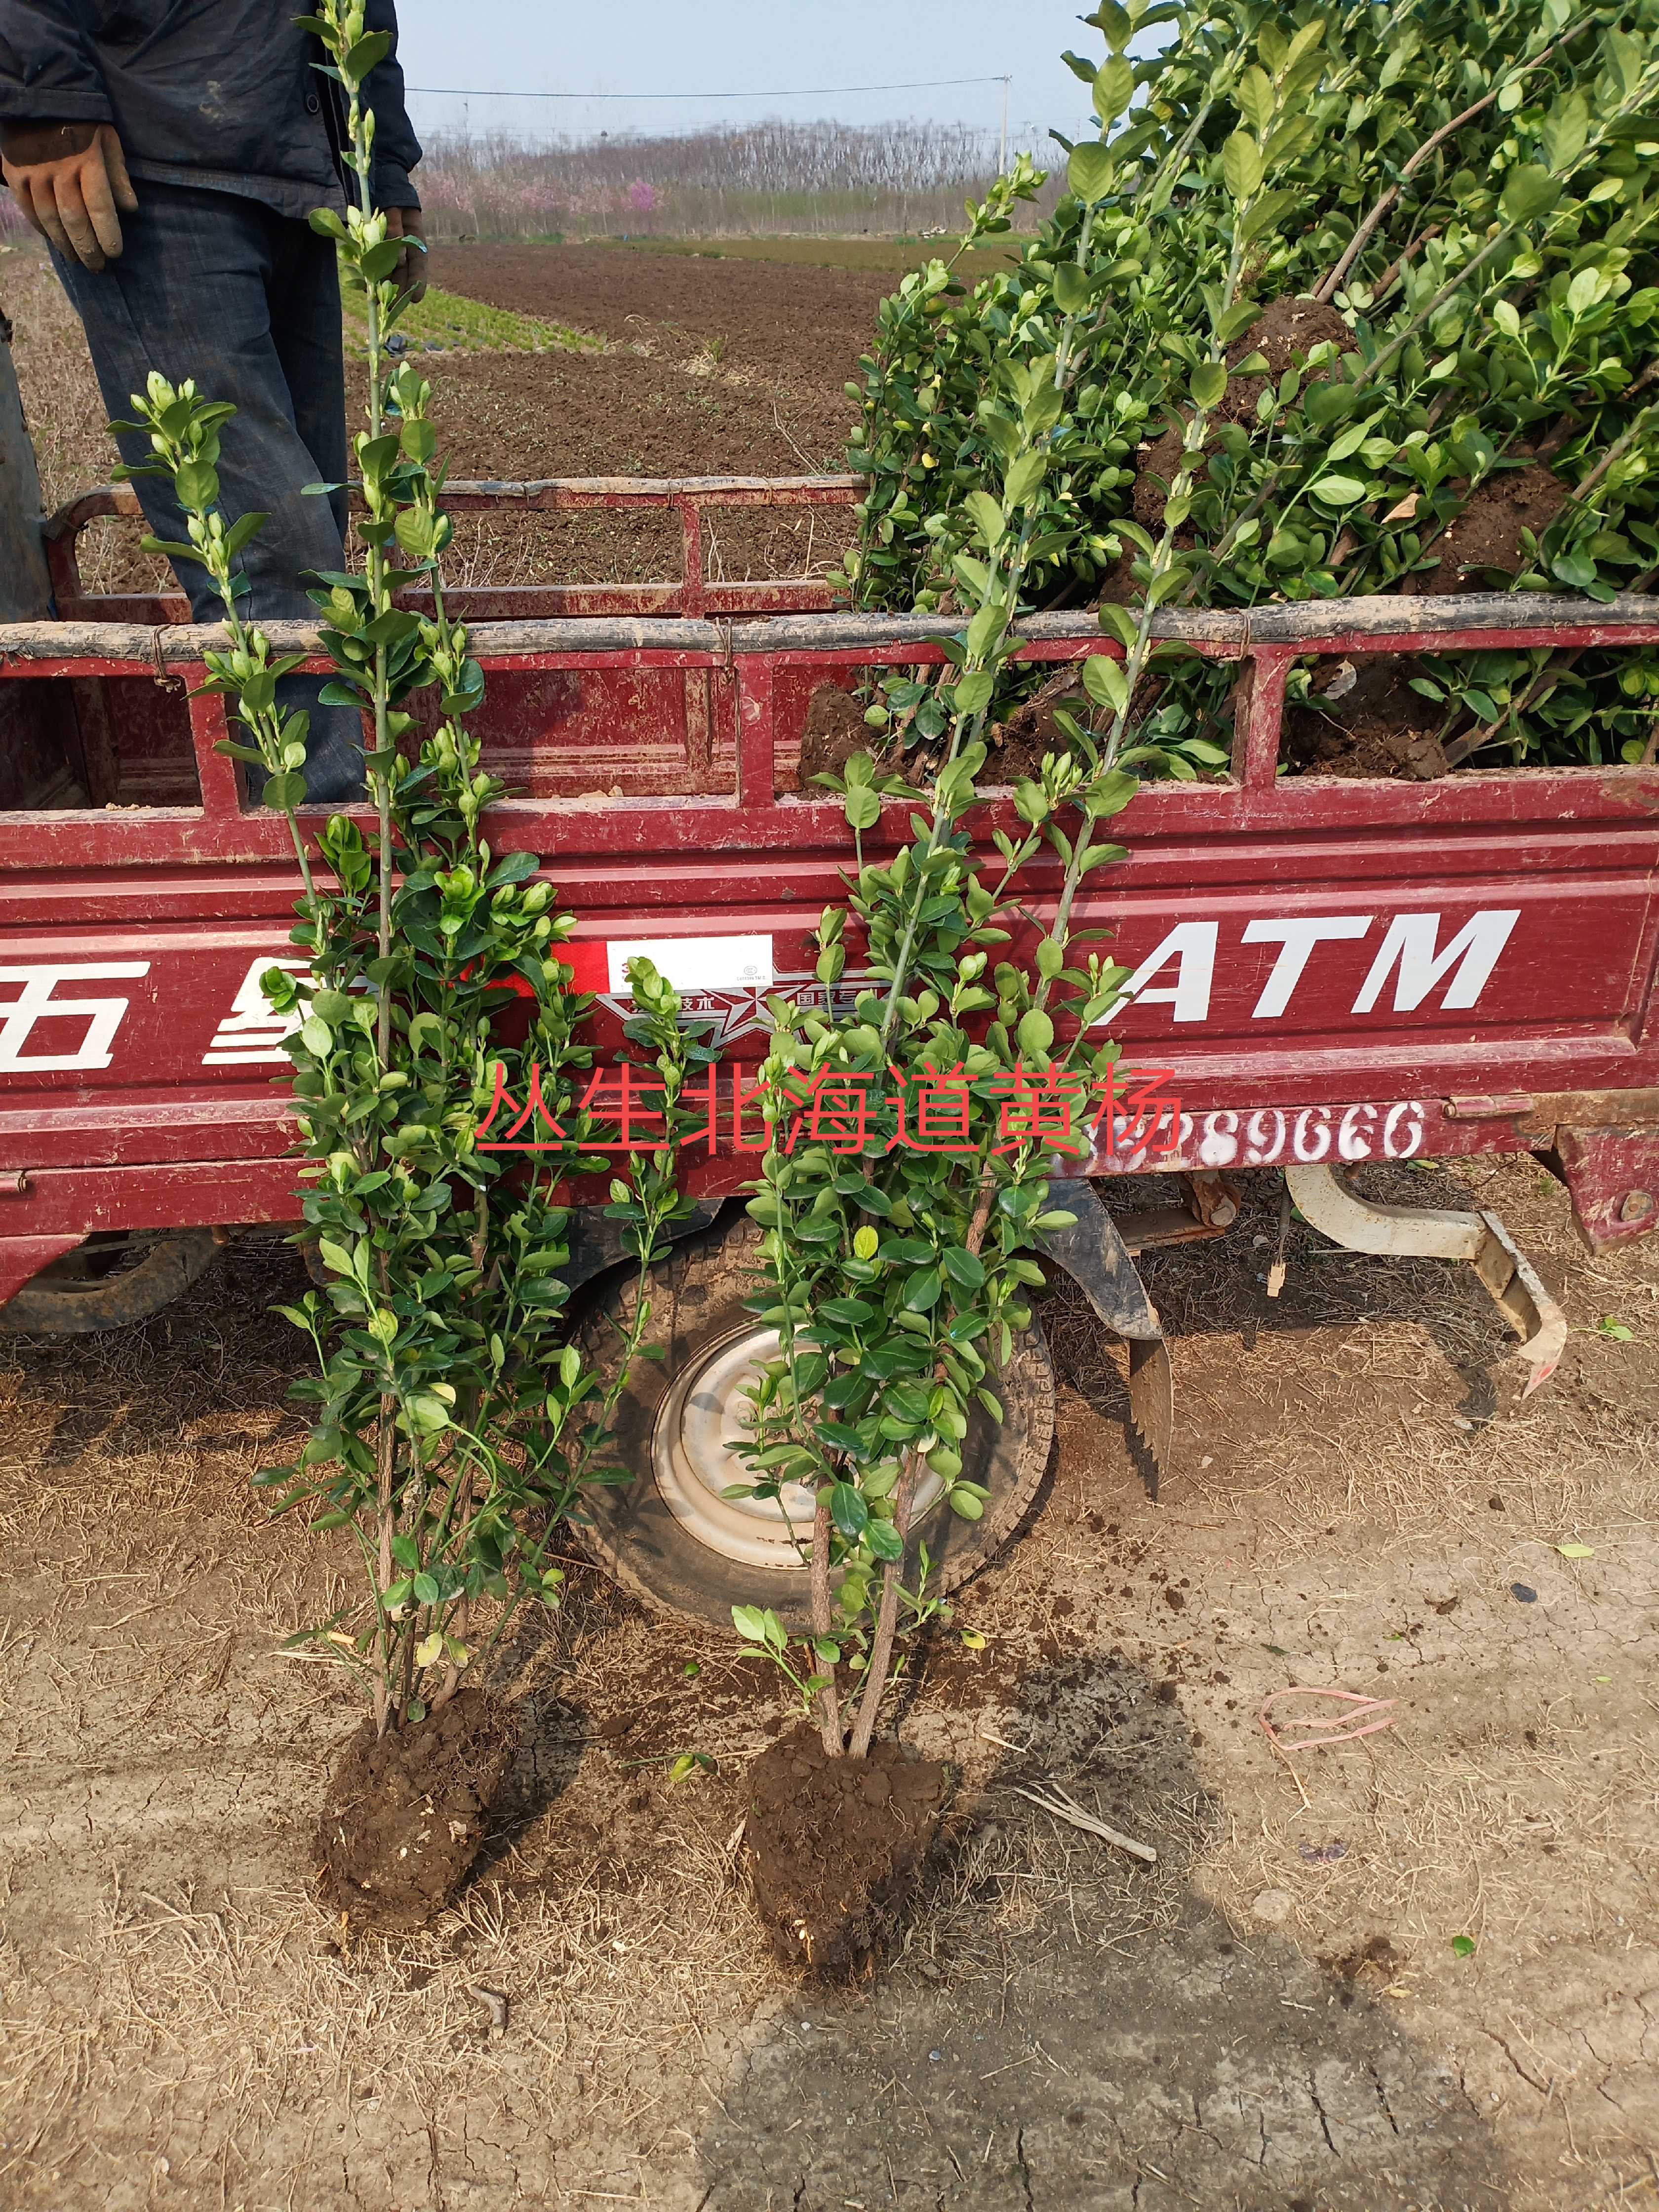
(1339, 1726)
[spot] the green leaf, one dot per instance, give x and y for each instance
(922, 1292)
(316, 1036)
(1529, 190)
(749, 1622)
(358, 60)
(1209, 383)
(285, 793)
(1338, 492)
(1254, 98)
(1241, 166)
(426, 1589)
(884, 1540)
(197, 484)
(1071, 289)
(1462, 1947)
(973, 691)
(988, 521)
(1024, 478)
(848, 1511)
(244, 527)
(171, 549)
(428, 1413)
(1113, 88)
(1091, 170)
(1326, 402)
(1566, 128)
(1106, 681)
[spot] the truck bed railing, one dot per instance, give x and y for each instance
(729, 782)
(688, 498)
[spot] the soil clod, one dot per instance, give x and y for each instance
(1485, 539)
(835, 730)
(833, 1847)
(405, 1814)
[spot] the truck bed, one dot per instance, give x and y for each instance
(1327, 968)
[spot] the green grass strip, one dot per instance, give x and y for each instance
(446, 320)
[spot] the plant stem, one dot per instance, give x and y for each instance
(829, 1721)
(881, 1650)
(385, 1446)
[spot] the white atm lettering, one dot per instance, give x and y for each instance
(1410, 945)
(19, 1016)
(1411, 941)
(1192, 942)
(1298, 937)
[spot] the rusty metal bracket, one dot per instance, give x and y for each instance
(1213, 1199)
(1326, 1199)
(1612, 1175)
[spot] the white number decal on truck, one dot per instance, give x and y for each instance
(1270, 1136)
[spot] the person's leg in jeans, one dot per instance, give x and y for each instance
(217, 287)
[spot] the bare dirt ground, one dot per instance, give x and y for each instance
(711, 367)
(1272, 2016)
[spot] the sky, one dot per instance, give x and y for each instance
(757, 48)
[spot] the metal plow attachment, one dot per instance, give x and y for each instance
(1152, 1406)
(1096, 1257)
(1326, 1200)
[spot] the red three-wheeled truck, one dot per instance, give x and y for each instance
(1332, 971)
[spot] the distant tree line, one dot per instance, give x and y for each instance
(767, 176)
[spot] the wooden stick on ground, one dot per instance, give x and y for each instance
(1066, 1808)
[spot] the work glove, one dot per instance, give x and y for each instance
(70, 181)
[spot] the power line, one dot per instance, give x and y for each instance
(799, 92)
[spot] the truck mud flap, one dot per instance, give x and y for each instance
(1095, 1256)
(1327, 1200)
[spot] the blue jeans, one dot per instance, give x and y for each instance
(218, 287)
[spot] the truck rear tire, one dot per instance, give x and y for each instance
(668, 1536)
(112, 1281)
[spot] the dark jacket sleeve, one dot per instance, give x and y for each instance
(397, 149)
(46, 70)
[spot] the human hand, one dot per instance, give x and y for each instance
(70, 179)
(410, 275)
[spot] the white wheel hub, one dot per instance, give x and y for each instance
(695, 1455)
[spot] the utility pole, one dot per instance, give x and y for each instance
(1002, 147)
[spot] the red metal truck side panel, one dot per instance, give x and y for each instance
(1322, 965)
